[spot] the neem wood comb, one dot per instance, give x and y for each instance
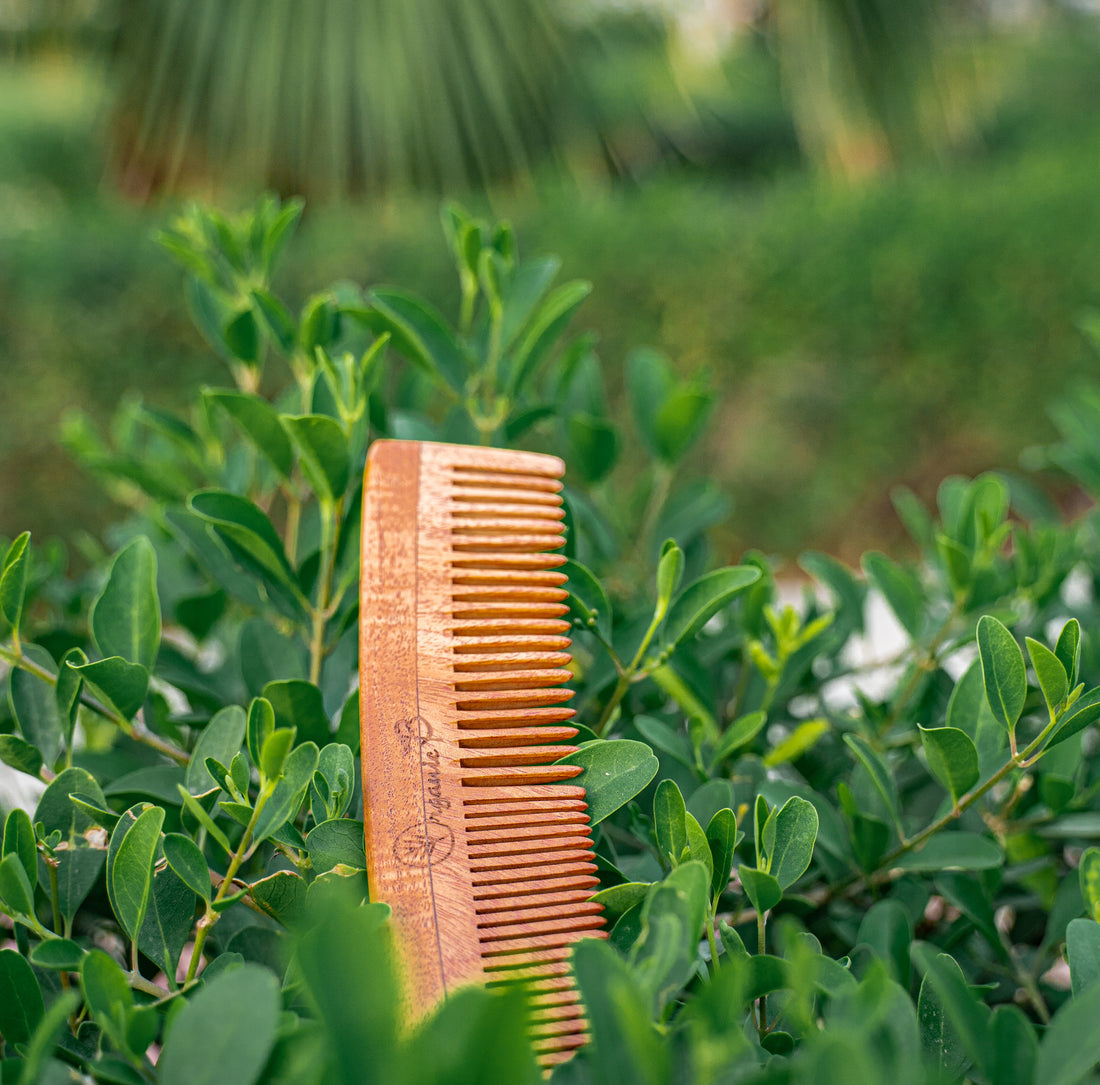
(473, 837)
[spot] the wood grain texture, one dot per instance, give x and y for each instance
(474, 837)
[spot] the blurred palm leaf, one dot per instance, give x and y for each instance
(335, 97)
(873, 82)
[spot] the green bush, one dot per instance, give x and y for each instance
(814, 868)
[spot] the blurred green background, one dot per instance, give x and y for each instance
(875, 225)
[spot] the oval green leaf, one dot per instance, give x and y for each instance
(1003, 671)
(701, 600)
(952, 758)
(126, 615)
(225, 1032)
(615, 770)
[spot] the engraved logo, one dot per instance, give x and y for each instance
(417, 847)
(433, 841)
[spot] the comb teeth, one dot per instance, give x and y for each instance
(530, 854)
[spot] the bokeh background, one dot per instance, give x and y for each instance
(875, 224)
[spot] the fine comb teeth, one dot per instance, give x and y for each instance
(473, 837)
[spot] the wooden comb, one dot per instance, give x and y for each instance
(472, 836)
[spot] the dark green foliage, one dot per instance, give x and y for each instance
(813, 870)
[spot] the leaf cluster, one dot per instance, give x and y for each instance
(813, 866)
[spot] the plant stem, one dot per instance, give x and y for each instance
(761, 946)
(210, 917)
(626, 676)
(134, 729)
(330, 539)
(711, 920)
(55, 899)
(1020, 760)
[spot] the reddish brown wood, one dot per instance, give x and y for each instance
(475, 839)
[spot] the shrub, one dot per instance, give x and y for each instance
(815, 868)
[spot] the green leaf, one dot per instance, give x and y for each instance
(250, 537)
(662, 736)
(595, 446)
(275, 750)
(277, 320)
(267, 654)
(13, 582)
(888, 930)
(107, 994)
(880, 775)
(1068, 649)
(130, 860)
(1070, 1047)
(187, 860)
(20, 755)
(953, 1024)
(952, 758)
(670, 570)
(795, 835)
(615, 771)
(649, 382)
(38, 1063)
(1003, 671)
(619, 899)
(420, 333)
(1084, 713)
(169, 919)
(1050, 671)
(336, 775)
(67, 694)
(322, 451)
(670, 822)
(702, 599)
(221, 739)
(299, 704)
(723, 838)
(259, 422)
(60, 953)
(589, 606)
(261, 722)
(16, 889)
(360, 1015)
(899, 587)
(281, 896)
(1015, 1048)
(338, 840)
(56, 811)
(1088, 871)
(19, 841)
(739, 733)
(964, 850)
(80, 864)
(242, 337)
(120, 684)
(289, 791)
(21, 1005)
(804, 737)
(1083, 953)
(680, 421)
(524, 290)
(848, 592)
(225, 1032)
(956, 561)
(34, 705)
(126, 615)
(544, 330)
(198, 812)
(761, 888)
